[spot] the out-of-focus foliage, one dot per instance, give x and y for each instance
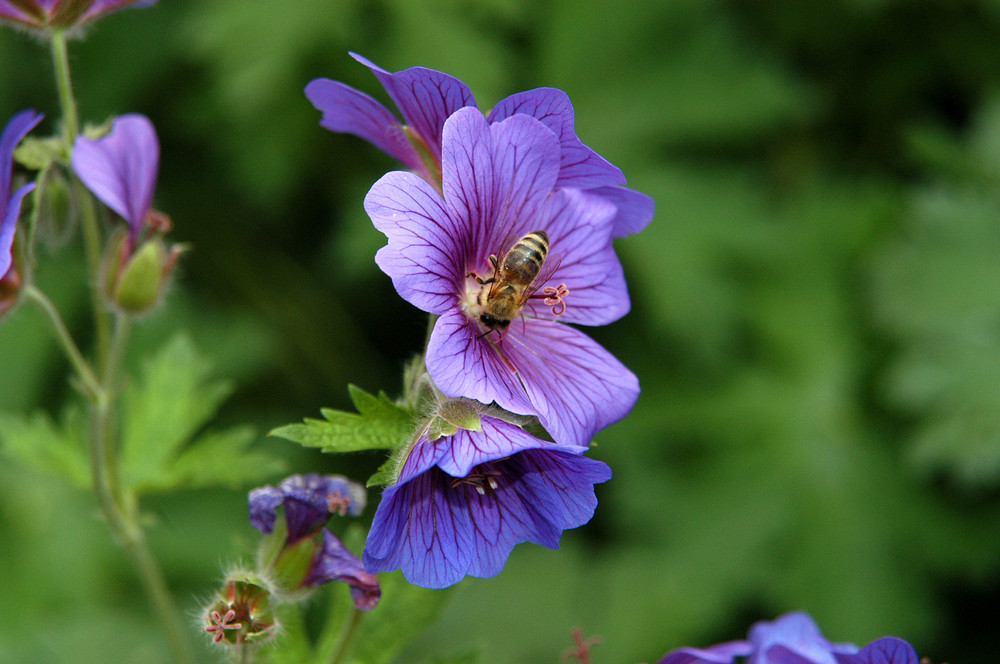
(815, 323)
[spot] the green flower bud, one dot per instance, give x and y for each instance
(135, 281)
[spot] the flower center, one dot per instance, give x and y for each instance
(484, 480)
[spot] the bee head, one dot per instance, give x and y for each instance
(493, 322)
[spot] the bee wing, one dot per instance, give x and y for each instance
(549, 268)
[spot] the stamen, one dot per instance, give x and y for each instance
(554, 298)
(337, 503)
(482, 480)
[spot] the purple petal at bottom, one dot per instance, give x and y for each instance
(438, 528)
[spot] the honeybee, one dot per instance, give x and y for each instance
(512, 282)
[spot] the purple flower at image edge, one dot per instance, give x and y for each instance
(498, 184)
(794, 638)
(426, 98)
(308, 501)
(462, 502)
(10, 201)
(121, 168)
(63, 13)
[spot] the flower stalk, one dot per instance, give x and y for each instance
(100, 383)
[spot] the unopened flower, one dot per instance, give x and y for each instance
(426, 98)
(243, 614)
(503, 337)
(462, 501)
(794, 638)
(302, 552)
(62, 14)
(120, 169)
(10, 201)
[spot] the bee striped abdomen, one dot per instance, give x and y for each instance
(525, 258)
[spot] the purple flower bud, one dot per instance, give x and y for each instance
(62, 14)
(308, 554)
(334, 562)
(308, 500)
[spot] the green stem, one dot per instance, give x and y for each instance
(88, 213)
(119, 507)
(82, 368)
(347, 634)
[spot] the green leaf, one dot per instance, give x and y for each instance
(43, 444)
(379, 424)
(386, 473)
(163, 412)
(224, 458)
(37, 153)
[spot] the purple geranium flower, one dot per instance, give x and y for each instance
(121, 168)
(308, 501)
(794, 638)
(498, 182)
(40, 14)
(462, 502)
(426, 98)
(10, 201)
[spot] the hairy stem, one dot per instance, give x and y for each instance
(88, 213)
(80, 365)
(347, 634)
(118, 505)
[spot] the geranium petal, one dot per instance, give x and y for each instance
(887, 650)
(415, 530)
(425, 97)
(121, 168)
(635, 209)
(574, 385)
(13, 133)
(496, 440)
(496, 177)
(8, 226)
(335, 562)
(353, 112)
(263, 503)
(580, 166)
(424, 251)
(723, 653)
(579, 231)
(107, 6)
(463, 363)
(795, 634)
(438, 529)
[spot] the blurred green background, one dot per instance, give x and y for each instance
(815, 323)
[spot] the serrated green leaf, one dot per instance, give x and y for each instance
(37, 153)
(223, 458)
(379, 424)
(165, 409)
(60, 449)
(386, 473)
